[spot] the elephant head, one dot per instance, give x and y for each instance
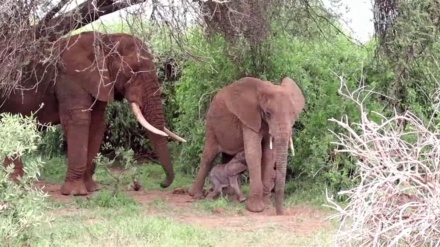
(121, 65)
(278, 106)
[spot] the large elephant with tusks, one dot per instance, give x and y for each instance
(94, 69)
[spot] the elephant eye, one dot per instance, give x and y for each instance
(268, 115)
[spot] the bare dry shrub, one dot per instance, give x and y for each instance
(23, 58)
(397, 202)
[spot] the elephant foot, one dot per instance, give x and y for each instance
(213, 195)
(91, 185)
(255, 205)
(167, 182)
(198, 195)
(266, 200)
(76, 188)
(279, 211)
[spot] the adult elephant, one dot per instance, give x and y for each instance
(93, 69)
(251, 115)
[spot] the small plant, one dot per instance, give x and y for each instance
(113, 198)
(127, 168)
(21, 204)
(52, 143)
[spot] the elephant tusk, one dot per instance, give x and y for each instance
(270, 142)
(137, 112)
(291, 146)
(173, 135)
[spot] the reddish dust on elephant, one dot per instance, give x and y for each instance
(256, 117)
(94, 69)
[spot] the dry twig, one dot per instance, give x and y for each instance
(397, 202)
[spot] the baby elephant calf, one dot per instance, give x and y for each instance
(225, 175)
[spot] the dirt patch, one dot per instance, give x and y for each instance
(177, 197)
(170, 197)
(53, 190)
(304, 226)
(304, 220)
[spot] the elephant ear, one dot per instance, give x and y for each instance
(87, 62)
(297, 95)
(242, 99)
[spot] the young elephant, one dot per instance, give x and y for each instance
(225, 175)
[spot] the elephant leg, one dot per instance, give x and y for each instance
(216, 189)
(252, 149)
(76, 126)
(215, 193)
(75, 117)
(18, 167)
(210, 152)
(233, 182)
(268, 164)
(96, 134)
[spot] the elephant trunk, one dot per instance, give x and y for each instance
(281, 148)
(152, 112)
(160, 144)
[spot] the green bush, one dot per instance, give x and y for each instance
(53, 142)
(316, 66)
(199, 82)
(21, 205)
(123, 130)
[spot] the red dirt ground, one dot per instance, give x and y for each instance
(304, 220)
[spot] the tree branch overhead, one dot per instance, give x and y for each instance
(82, 15)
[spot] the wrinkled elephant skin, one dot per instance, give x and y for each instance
(93, 69)
(256, 117)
